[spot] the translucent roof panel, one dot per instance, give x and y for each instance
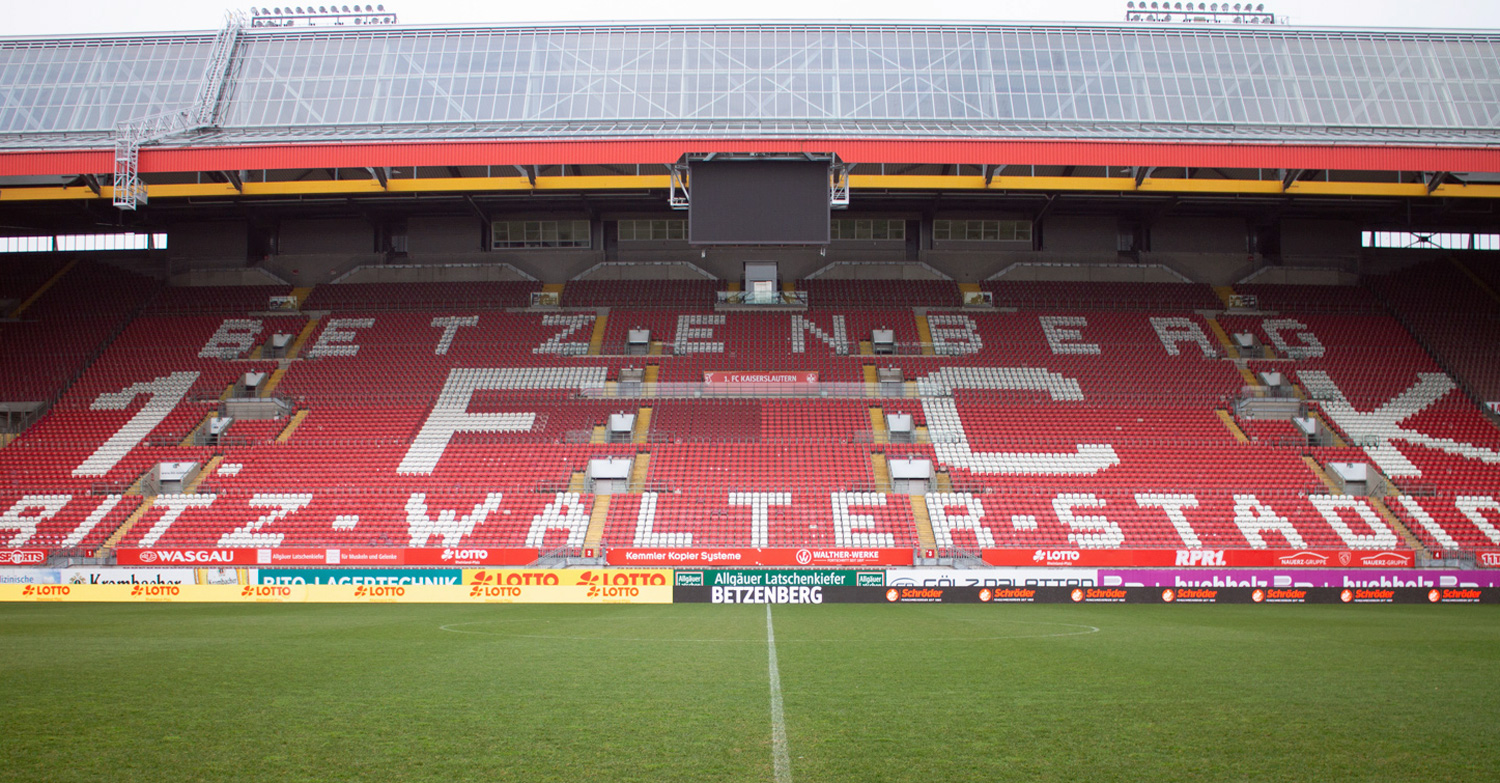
(872, 76)
(1200, 82)
(94, 84)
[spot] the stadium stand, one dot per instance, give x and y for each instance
(1451, 316)
(471, 295)
(684, 294)
(58, 332)
(1042, 428)
(1003, 373)
(851, 294)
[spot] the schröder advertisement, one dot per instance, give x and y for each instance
(1187, 596)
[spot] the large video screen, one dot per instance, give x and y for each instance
(758, 203)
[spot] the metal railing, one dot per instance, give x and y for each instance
(770, 298)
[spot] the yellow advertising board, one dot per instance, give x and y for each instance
(149, 593)
(414, 594)
(546, 577)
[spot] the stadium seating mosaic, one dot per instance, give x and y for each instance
(1060, 419)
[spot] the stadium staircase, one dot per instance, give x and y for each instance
(923, 521)
(125, 527)
(594, 536)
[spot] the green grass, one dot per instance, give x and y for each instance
(680, 693)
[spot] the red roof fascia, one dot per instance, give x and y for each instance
(665, 151)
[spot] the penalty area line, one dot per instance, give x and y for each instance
(781, 759)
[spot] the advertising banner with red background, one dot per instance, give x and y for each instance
(1197, 558)
(715, 377)
(787, 556)
(807, 556)
(22, 557)
(216, 556)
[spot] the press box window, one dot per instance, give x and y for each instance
(653, 230)
(511, 234)
(981, 231)
(82, 243)
(868, 230)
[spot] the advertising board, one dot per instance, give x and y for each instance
(30, 576)
(806, 556)
(341, 593)
(724, 594)
(22, 557)
(358, 576)
(1296, 577)
(730, 577)
(599, 577)
(137, 576)
(759, 378)
(325, 556)
(1177, 596)
(992, 577)
(1204, 558)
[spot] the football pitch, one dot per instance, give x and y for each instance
(143, 692)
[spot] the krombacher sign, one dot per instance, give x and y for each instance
(786, 577)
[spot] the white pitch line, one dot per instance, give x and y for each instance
(780, 758)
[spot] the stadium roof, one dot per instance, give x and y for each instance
(1206, 83)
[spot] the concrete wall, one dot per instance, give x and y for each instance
(436, 273)
(1081, 234)
(241, 276)
(794, 263)
(1301, 275)
(1318, 242)
(1096, 273)
(645, 270)
(315, 269)
(435, 235)
(1209, 268)
(214, 245)
(1199, 235)
(876, 270)
(325, 237)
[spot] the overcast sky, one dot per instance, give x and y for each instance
(27, 17)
